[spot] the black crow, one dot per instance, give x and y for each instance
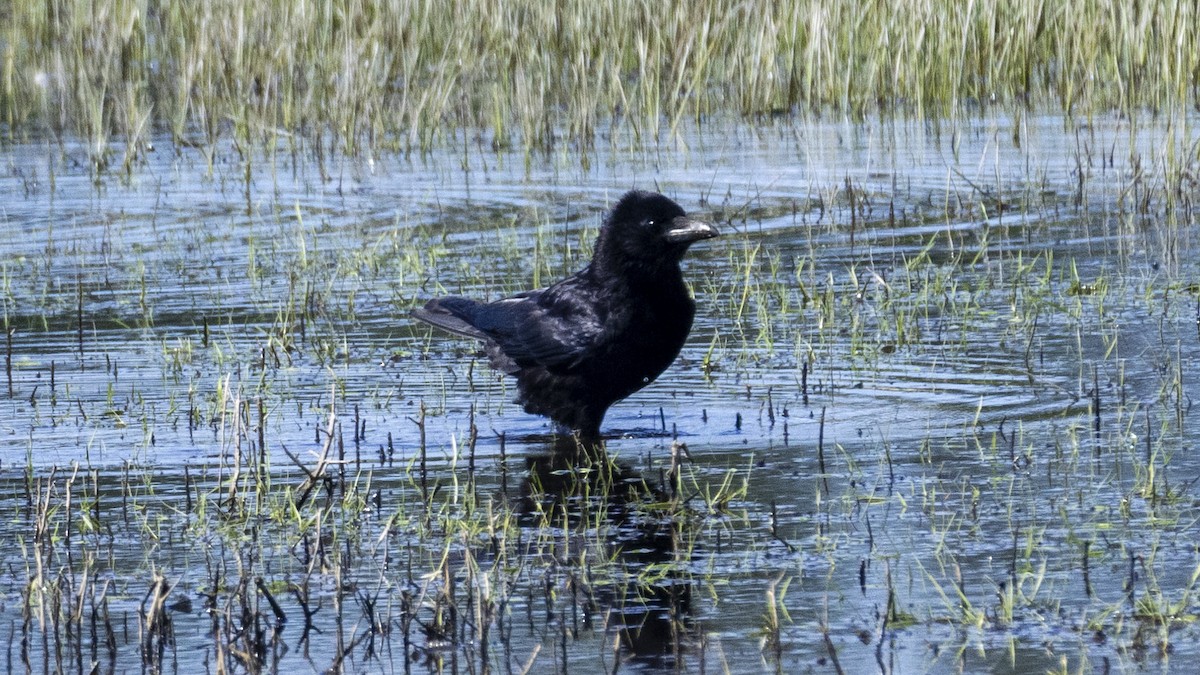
(599, 335)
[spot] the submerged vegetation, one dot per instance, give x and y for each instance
(409, 74)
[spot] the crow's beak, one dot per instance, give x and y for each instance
(684, 230)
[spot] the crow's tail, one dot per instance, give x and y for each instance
(453, 314)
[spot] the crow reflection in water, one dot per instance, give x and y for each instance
(579, 488)
(599, 335)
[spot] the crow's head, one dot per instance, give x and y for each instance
(647, 231)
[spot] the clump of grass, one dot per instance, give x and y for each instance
(359, 75)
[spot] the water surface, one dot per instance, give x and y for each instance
(943, 373)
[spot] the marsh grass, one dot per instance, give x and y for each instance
(322, 558)
(363, 76)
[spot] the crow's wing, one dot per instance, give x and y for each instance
(556, 328)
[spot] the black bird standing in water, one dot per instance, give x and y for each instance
(599, 335)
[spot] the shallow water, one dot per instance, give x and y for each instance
(927, 315)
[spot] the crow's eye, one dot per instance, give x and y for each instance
(650, 222)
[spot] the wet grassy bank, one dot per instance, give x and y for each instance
(361, 75)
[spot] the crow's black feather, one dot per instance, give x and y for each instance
(601, 334)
